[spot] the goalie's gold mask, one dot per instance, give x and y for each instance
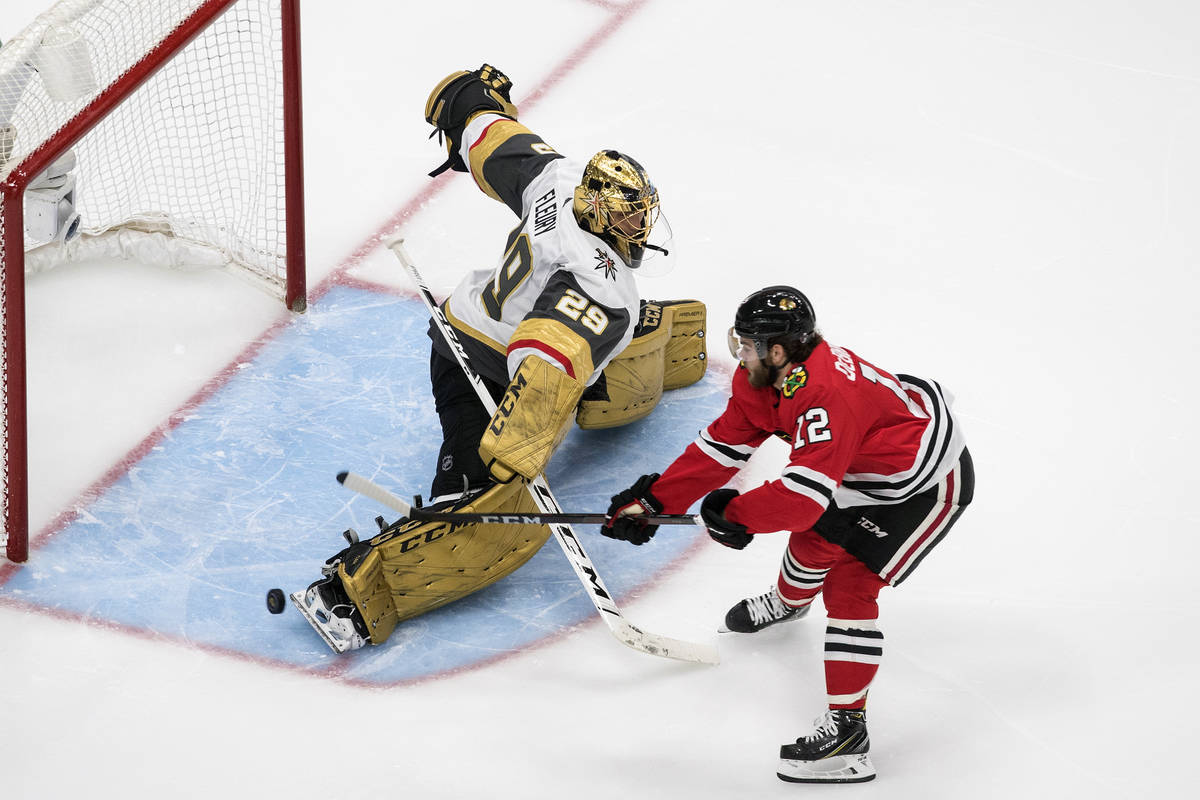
(616, 201)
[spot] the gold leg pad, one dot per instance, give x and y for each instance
(418, 566)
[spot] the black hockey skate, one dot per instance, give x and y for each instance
(329, 610)
(755, 613)
(836, 752)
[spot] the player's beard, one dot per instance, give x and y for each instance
(761, 375)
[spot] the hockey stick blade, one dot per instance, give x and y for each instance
(367, 488)
(572, 548)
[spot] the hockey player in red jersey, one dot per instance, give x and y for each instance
(878, 474)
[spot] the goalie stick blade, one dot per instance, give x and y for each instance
(298, 602)
(663, 646)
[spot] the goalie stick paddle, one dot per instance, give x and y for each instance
(367, 488)
(572, 548)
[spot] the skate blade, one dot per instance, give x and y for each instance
(839, 769)
(334, 645)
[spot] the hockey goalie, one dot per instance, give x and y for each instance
(557, 332)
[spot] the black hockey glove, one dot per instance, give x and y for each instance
(722, 531)
(626, 528)
(459, 96)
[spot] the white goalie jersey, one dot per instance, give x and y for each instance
(559, 292)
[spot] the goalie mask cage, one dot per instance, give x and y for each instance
(184, 117)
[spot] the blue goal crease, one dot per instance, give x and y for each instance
(242, 498)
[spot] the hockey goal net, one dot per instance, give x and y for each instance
(183, 120)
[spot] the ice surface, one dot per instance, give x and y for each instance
(1000, 196)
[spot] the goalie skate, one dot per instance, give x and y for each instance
(332, 615)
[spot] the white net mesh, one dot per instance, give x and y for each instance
(196, 151)
(193, 157)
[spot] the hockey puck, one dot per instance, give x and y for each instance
(275, 601)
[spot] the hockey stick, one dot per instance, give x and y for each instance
(367, 488)
(572, 548)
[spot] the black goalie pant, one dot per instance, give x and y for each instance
(463, 422)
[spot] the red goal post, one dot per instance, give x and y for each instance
(184, 120)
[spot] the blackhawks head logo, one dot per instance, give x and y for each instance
(795, 380)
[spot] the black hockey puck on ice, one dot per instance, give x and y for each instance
(275, 601)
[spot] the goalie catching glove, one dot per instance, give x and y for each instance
(460, 96)
(625, 505)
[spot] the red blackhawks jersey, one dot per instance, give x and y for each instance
(858, 435)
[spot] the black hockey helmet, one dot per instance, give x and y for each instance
(774, 315)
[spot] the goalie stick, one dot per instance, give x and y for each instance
(367, 488)
(572, 548)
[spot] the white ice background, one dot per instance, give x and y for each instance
(1003, 196)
